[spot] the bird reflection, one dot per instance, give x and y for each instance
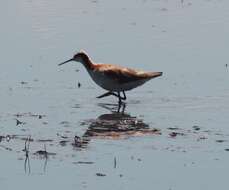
(114, 125)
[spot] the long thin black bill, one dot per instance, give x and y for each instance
(65, 62)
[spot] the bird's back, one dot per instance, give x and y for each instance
(117, 78)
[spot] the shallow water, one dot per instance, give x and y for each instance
(173, 133)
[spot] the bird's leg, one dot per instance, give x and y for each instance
(119, 98)
(124, 98)
(104, 95)
(108, 94)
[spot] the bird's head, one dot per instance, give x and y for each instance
(81, 57)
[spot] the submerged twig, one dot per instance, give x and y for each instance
(26, 149)
(115, 162)
(46, 159)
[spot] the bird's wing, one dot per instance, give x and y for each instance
(124, 75)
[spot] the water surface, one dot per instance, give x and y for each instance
(173, 133)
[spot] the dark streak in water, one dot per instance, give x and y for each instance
(173, 128)
(44, 140)
(63, 143)
(6, 148)
(44, 153)
(83, 162)
(115, 162)
(220, 141)
(29, 114)
(195, 127)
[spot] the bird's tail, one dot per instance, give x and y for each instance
(155, 74)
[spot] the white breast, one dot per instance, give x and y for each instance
(112, 85)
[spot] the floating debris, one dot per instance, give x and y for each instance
(202, 138)
(64, 123)
(226, 149)
(174, 134)
(19, 122)
(63, 143)
(80, 142)
(195, 127)
(23, 82)
(100, 174)
(79, 84)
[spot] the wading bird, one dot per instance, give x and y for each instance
(115, 79)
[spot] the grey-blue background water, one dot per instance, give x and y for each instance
(189, 105)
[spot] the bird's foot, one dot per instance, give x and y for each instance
(118, 95)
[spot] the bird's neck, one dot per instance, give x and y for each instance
(86, 61)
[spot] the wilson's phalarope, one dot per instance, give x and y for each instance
(115, 79)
